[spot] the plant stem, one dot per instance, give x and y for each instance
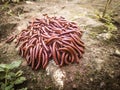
(106, 7)
(6, 78)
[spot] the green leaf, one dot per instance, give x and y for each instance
(1, 69)
(20, 80)
(10, 75)
(23, 89)
(3, 66)
(10, 87)
(14, 64)
(2, 75)
(19, 73)
(3, 86)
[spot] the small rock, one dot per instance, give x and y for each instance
(91, 79)
(117, 53)
(56, 73)
(4, 52)
(105, 36)
(30, 2)
(74, 86)
(102, 84)
(71, 78)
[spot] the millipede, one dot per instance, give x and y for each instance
(50, 38)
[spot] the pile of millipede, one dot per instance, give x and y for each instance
(50, 38)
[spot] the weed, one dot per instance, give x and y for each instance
(8, 77)
(107, 18)
(106, 7)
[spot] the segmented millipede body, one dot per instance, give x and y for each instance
(50, 38)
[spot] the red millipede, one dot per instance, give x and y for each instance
(39, 59)
(54, 53)
(10, 39)
(50, 38)
(66, 59)
(62, 59)
(46, 60)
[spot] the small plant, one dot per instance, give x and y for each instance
(107, 18)
(8, 77)
(106, 7)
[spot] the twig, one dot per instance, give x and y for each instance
(106, 7)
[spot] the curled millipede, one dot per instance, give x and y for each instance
(50, 38)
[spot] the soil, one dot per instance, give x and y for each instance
(99, 68)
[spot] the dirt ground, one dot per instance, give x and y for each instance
(99, 68)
